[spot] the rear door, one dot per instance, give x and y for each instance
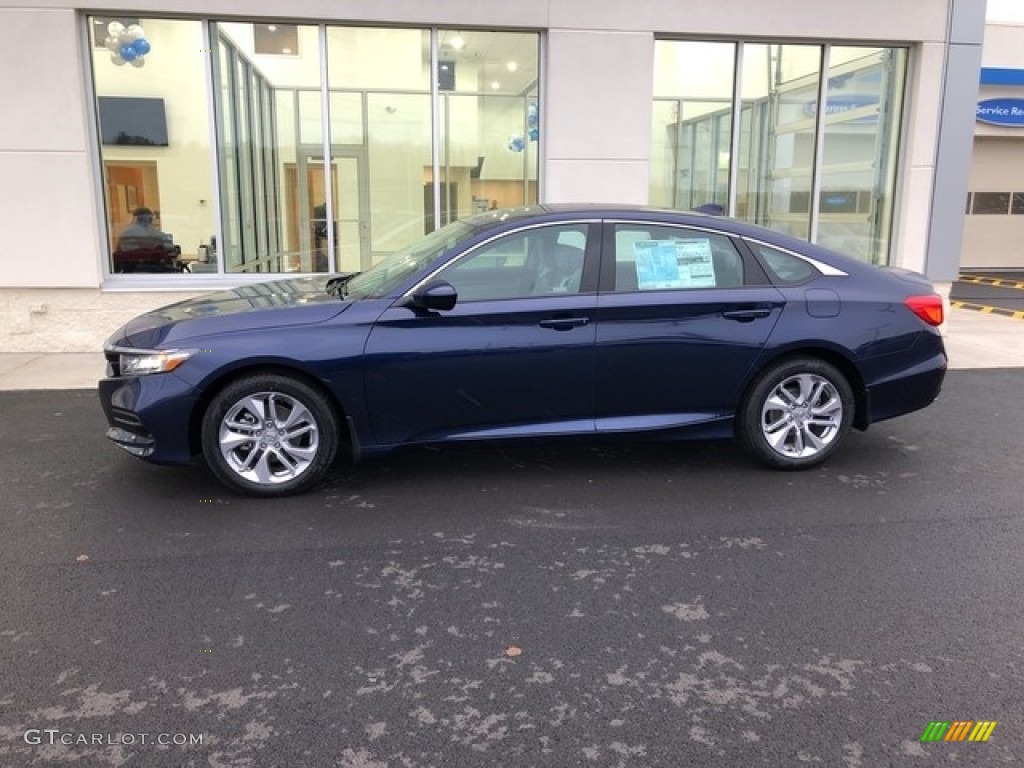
(515, 356)
(681, 318)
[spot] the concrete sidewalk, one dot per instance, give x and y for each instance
(973, 340)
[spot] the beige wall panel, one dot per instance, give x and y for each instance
(924, 104)
(47, 200)
(869, 19)
(69, 320)
(597, 105)
(41, 83)
(998, 165)
(993, 242)
(881, 20)
(597, 181)
(912, 225)
(1002, 46)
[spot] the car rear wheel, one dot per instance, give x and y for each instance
(269, 435)
(796, 414)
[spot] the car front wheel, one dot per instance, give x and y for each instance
(796, 414)
(269, 435)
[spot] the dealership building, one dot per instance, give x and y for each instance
(325, 135)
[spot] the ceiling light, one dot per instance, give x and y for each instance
(286, 50)
(457, 43)
(495, 85)
(272, 28)
(512, 66)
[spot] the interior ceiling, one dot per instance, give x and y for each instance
(491, 52)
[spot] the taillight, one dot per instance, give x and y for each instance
(929, 308)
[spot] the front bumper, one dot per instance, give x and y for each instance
(150, 416)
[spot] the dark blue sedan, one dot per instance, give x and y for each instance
(535, 322)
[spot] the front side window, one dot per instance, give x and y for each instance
(656, 258)
(544, 261)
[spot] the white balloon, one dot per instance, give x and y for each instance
(135, 31)
(116, 58)
(113, 43)
(138, 61)
(115, 28)
(126, 37)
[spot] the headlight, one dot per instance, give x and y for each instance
(142, 362)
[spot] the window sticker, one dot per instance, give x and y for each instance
(668, 264)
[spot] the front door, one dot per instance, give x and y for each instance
(514, 357)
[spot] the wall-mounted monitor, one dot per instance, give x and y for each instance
(131, 121)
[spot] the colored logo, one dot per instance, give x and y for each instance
(958, 730)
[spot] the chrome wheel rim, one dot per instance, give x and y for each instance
(802, 416)
(268, 438)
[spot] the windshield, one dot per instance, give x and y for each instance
(383, 277)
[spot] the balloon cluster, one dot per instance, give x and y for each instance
(517, 143)
(127, 45)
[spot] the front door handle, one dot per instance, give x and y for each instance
(564, 323)
(747, 315)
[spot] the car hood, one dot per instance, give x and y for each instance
(298, 301)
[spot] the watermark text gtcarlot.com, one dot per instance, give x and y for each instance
(55, 736)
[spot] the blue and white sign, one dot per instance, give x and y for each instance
(1007, 112)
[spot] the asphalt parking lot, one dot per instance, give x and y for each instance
(518, 605)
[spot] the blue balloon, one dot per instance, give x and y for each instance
(534, 134)
(142, 46)
(531, 116)
(128, 53)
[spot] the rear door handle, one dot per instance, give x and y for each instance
(564, 323)
(746, 315)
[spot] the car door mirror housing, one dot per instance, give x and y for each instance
(435, 296)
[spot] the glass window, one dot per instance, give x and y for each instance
(538, 262)
(656, 258)
(1017, 206)
(155, 143)
(860, 145)
(490, 121)
(692, 123)
(779, 97)
(272, 176)
(785, 268)
(991, 203)
(313, 176)
(847, 203)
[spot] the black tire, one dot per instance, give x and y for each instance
(290, 450)
(796, 414)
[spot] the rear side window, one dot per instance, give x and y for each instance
(784, 268)
(656, 258)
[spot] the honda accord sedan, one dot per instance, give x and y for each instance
(535, 322)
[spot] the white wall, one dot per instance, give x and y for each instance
(47, 196)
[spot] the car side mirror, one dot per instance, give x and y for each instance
(435, 296)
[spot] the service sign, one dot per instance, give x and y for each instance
(1008, 112)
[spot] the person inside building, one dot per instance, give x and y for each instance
(143, 247)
